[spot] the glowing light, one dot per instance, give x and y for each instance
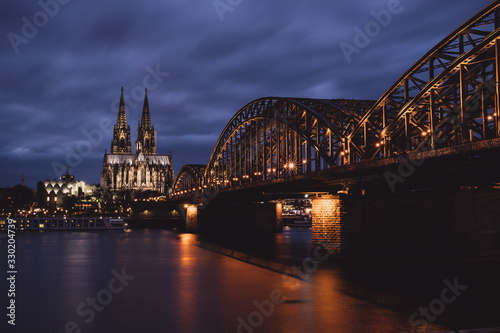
(304, 161)
(377, 145)
(490, 118)
(291, 165)
(424, 133)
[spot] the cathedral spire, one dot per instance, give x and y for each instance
(122, 114)
(146, 135)
(121, 132)
(146, 118)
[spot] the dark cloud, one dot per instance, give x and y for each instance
(62, 85)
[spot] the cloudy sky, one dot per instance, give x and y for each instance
(64, 61)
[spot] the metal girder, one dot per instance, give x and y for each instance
(273, 137)
(190, 178)
(401, 111)
(450, 96)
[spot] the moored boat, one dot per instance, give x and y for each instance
(64, 223)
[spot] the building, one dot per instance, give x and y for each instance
(143, 170)
(67, 185)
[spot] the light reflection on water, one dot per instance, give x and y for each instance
(178, 287)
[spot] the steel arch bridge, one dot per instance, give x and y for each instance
(190, 178)
(447, 98)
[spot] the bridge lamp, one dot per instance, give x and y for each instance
(424, 133)
(490, 118)
(342, 153)
(291, 165)
(377, 145)
(304, 161)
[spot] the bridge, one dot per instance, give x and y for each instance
(436, 129)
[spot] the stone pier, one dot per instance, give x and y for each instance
(241, 217)
(328, 218)
(191, 218)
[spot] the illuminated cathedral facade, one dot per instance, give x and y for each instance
(143, 170)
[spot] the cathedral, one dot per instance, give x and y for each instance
(143, 170)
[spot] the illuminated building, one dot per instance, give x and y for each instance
(143, 170)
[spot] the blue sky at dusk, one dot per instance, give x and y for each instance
(64, 62)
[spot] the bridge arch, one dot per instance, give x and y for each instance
(190, 178)
(275, 137)
(450, 96)
(431, 102)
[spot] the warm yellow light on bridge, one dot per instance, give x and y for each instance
(490, 118)
(291, 165)
(304, 161)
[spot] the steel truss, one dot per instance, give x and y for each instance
(450, 96)
(189, 179)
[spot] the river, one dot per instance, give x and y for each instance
(152, 280)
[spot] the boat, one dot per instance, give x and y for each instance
(298, 221)
(300, 224)
(64, 223)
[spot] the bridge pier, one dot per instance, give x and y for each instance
(191, 218)
(229, 216)
(328, 218)
(433, 223)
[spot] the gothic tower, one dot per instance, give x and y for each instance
(121, 143)
(146, 135)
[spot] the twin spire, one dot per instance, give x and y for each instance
(122, 114)
(146, 136)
